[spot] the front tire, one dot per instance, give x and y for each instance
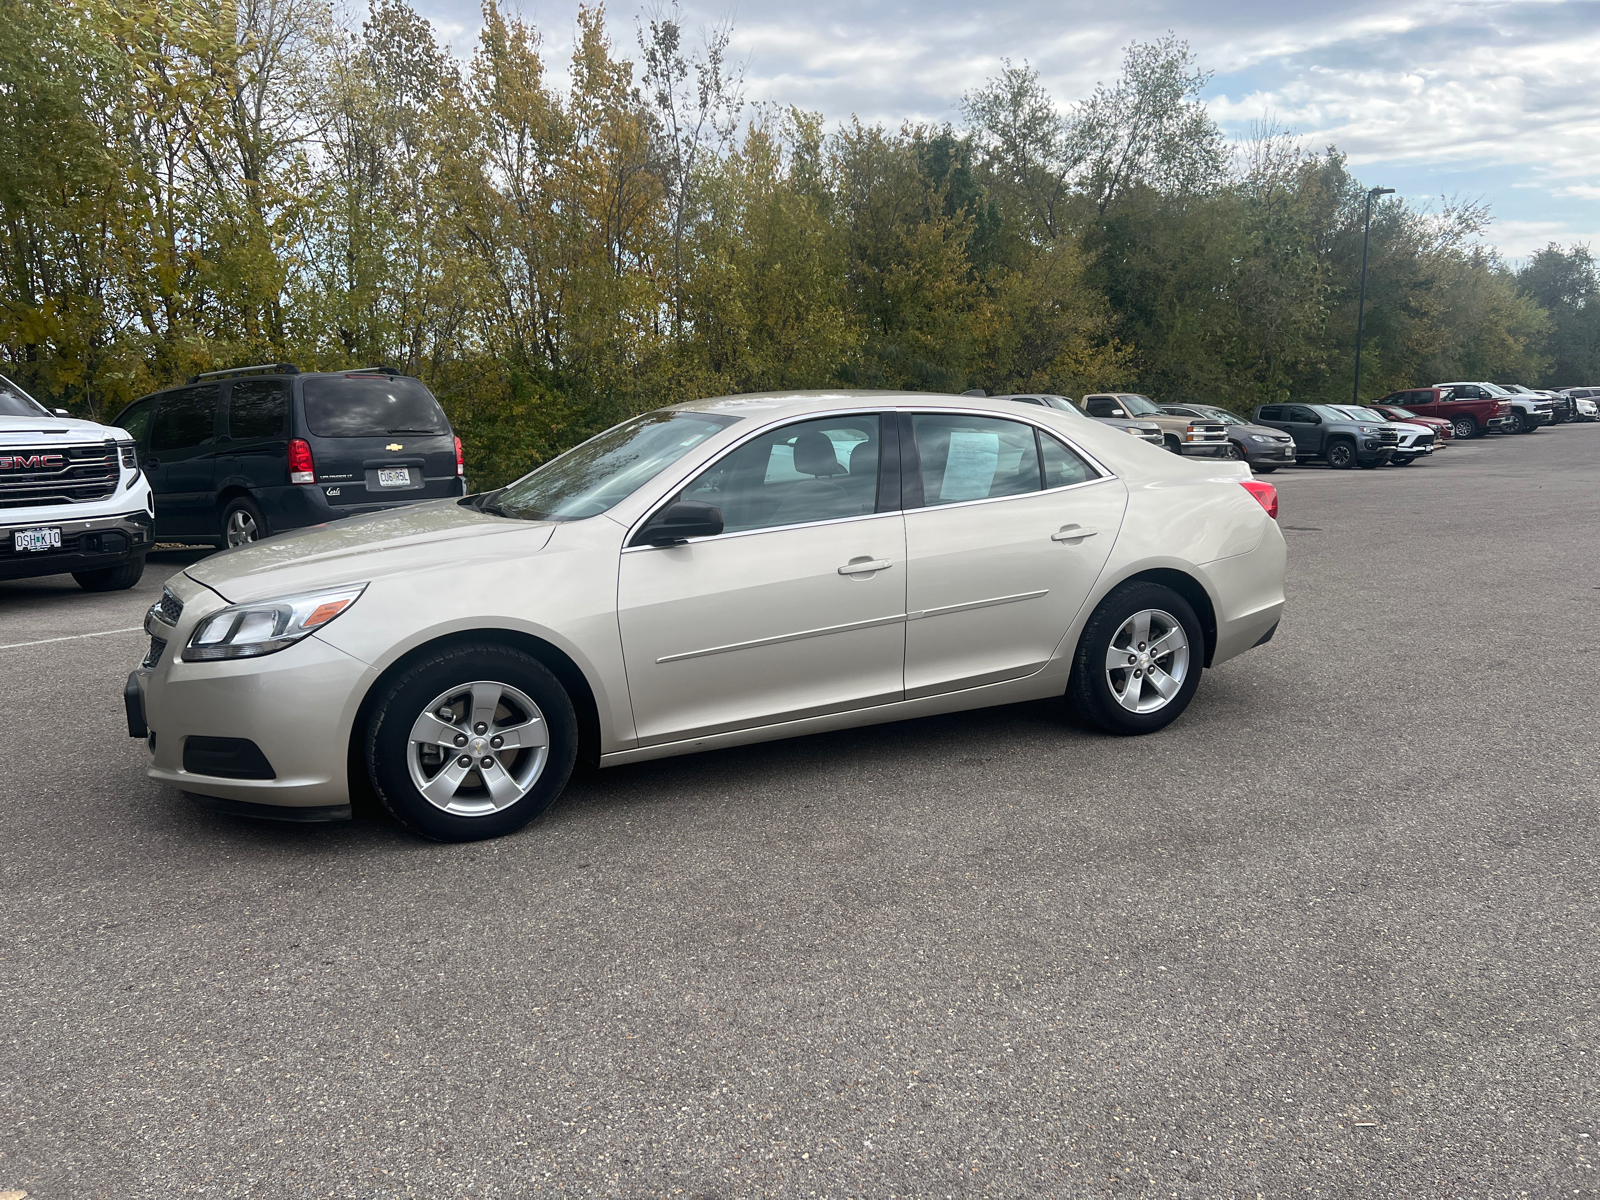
(1402, 462)
(111, 579)
(1515, 423)
(1138, 662)
(1236, 452)
(472, 742)
(1342, 455)
(1173, 445)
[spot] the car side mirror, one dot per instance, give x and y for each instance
(679, 521)
(60, 412)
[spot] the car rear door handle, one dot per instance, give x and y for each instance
(865, 567)
(1072, 533)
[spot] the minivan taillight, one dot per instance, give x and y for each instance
(1266, 495)
(301, 468)
(461, 463)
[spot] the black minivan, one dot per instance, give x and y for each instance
(235, 455)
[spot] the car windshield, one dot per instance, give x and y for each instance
(359, 405)
(1140, 406)
(1330, 412)
(14, 402)
(605, 470)
(1361, 413)
(1219, 414)
(1494, 389)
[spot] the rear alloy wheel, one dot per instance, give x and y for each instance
(473, 742)
(1138, 662)
(1515, 423)
(1465, 428)
(1342, 455)
(242, 523)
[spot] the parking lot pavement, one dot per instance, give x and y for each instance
(1332, 934)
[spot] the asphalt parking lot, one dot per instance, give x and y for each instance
(1333, 934)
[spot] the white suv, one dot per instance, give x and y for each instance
(72, 497)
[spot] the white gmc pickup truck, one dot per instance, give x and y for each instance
(72, 497)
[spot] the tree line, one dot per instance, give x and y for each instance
(194, 184)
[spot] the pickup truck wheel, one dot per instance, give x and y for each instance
(1515, 423)
(472, 742)
(1402, 462)
(1138, 662)
(1464, 428)
(1173, 444)
(111, 579)
(242, 523)
(1342, 455)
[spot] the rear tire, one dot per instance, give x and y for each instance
(241, 523)
(111, 579)
(1104, 693)
(1465, 428)
(516, 783)
(1342, 455)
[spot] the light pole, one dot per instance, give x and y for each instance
(1361, 307)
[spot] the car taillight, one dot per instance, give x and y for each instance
(1266, 495)
(301, 468)
(461, 463)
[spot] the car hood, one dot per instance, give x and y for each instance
(16, 431)
(437, 535)
(1263, 430)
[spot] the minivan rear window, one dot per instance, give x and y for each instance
(370, 406)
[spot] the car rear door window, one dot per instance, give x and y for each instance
(185, 419)
(370, 406)
(964, 458)
(257, 408)
(810, 471)
(1270, 412)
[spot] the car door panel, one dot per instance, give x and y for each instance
(182, 461)
(755, 628)
(796, 610)
(994, 583)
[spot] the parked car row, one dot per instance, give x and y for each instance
(223, 460)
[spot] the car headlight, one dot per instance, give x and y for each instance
(1133, 429)
(1258, 437)
(1369, 429)
(267, 626)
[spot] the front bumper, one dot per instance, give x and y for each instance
(87, 543)
(297, 706)
(1203, 449)
(1268, 453)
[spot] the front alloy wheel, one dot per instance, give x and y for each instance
(1516, 422)
(471, 741)
(1341, 456)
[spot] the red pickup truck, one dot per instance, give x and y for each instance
(1469, 418)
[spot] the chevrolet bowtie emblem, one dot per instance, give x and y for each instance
(394, 446)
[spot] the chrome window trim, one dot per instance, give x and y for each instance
(857, 410)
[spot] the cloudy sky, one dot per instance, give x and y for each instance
(1478, 99)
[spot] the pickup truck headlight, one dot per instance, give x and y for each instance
(1370, 428)
(267, 626)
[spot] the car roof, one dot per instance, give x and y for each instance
(798, 403)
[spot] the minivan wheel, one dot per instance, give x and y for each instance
(242, 522)
(1138, 662)
(1465, 428)
(472, 742)
(1341, 456)
(111, 579)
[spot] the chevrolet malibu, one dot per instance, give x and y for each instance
(707, 575)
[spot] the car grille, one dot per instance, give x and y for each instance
(169, 606)
(153, 655)
(1389, 437)
(1423, 439)
(37, 475)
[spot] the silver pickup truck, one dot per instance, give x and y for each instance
(72, 497)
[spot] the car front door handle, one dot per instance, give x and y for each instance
(865, 566)
(1072, 533)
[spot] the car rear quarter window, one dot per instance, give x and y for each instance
(185, 419)
(1062, 467)
(370, 406)
(257, 408)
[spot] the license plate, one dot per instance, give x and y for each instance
(394, 477)
(45, 537)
